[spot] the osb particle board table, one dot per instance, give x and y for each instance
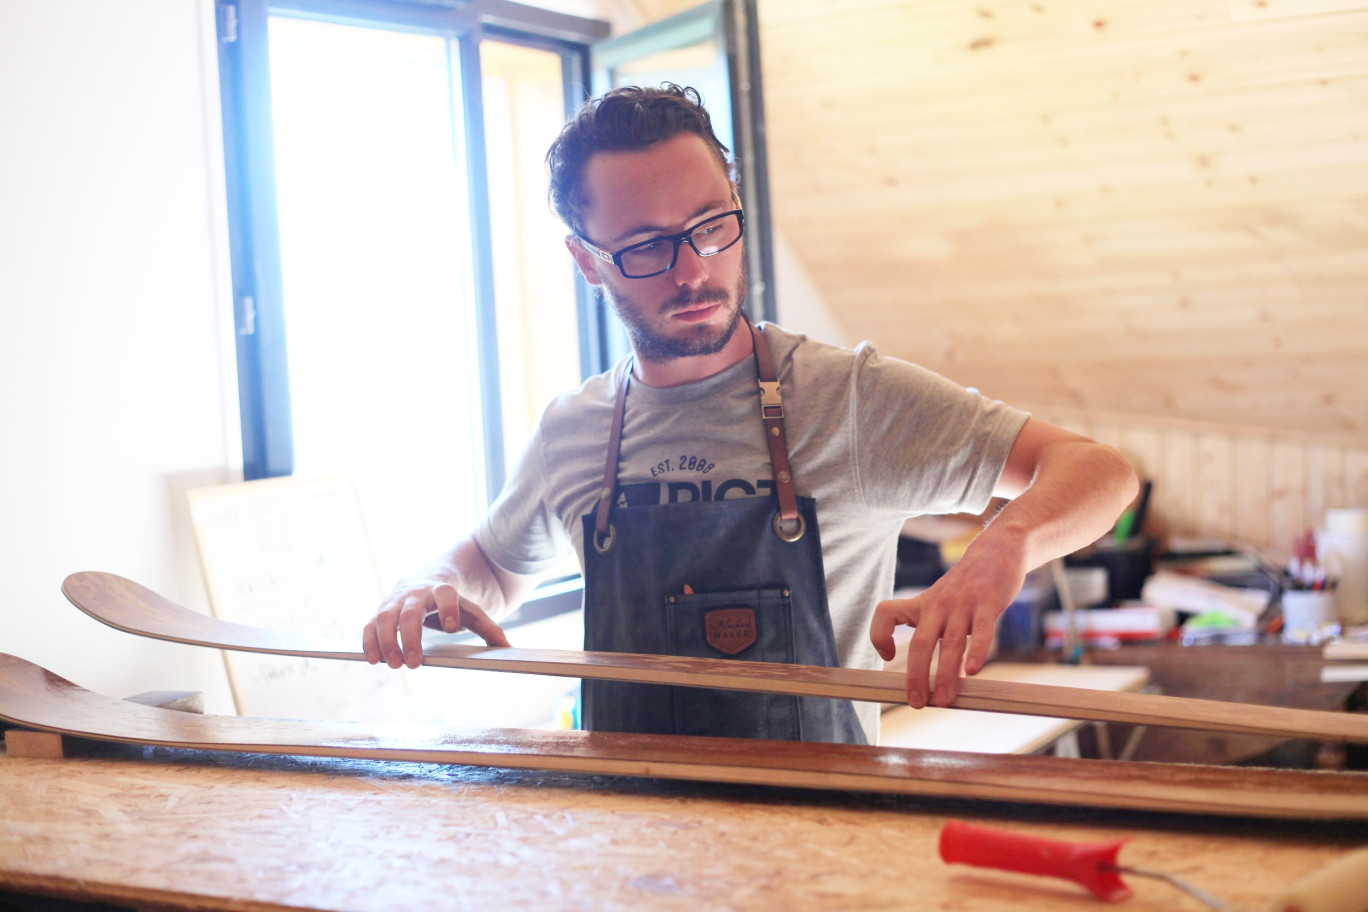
(169, 829)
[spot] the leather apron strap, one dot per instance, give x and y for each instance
(788, 523)
(603, 529)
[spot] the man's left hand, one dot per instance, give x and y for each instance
(1065, 491)
(960, 611)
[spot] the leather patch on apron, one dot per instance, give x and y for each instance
(730, 630)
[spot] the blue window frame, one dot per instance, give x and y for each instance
(260, 308)
(469, 27)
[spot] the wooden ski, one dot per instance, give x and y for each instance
(127, 606)
(32, 697)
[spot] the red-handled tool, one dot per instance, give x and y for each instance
(1089, 864)
(1339, 887)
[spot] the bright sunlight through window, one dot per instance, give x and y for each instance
(374, 222)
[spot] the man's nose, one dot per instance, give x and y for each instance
(690, 268)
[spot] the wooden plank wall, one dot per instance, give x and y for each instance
(1147, 217)
(1255, 487)
(1154, 207)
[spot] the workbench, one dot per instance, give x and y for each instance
(156, 829)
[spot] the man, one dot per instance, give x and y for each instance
(738, 491)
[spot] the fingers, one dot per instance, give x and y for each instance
(395, 634)
(380, 638)
(887, 616)
(919, 652)
(962, 655)
(981, 640)
(448, 607)
(937, 623)
(952, 643)
(476, 621)
(370, 643)
(914, 612)
(458, 613)
(411, 617)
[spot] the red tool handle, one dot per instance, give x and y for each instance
(1089, 864)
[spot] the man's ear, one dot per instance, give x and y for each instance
(588, 263)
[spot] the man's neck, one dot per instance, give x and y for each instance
(678, 371)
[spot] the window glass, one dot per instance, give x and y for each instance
(534, 280)
(375, 251)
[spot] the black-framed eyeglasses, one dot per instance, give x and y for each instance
(650, 258)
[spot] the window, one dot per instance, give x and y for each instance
(387, 190)
(397, 319)
(389, 233)
(537, 322)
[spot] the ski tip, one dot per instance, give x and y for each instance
(84, 580)
(89, 589)
(77, 583)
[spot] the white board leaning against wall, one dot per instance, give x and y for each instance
(295, 554)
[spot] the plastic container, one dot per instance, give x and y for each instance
(1342, 547)
(1309, 616)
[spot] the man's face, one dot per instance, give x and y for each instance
(664, 190)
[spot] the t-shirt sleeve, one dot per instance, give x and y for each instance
(923, 443)
(519, 533)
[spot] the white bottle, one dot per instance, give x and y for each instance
(1342, 547)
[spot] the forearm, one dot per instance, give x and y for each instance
(478, 579)
(1078, 490)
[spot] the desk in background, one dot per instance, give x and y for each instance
(1274, 675)
(935, 728)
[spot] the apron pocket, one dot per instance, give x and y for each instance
(748, 625)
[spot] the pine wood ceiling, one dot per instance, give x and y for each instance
(1154, 207)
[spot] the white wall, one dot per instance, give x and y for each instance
(116, 383)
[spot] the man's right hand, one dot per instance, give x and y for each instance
(395, 634)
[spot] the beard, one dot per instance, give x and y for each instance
(652, 345)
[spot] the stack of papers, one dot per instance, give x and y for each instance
(1190, 595)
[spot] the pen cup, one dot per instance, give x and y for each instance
(1308, 615)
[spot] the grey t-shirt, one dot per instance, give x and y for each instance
(874, 440)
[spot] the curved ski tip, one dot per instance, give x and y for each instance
(74, 581)
(80, 586)
(91, 577)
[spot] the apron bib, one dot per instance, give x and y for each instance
(758, 594)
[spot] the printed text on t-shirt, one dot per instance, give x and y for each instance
(683, 464)
(649, 493)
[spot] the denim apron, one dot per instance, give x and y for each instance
(737, 579)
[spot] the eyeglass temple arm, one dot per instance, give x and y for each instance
(596, 251)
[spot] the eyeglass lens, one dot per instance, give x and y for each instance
(656, 256)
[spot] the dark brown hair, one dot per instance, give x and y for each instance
(623, 120)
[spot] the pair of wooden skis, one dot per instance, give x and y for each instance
(33, 697)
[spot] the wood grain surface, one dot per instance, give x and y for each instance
(1133, 164)
(33, 697)
(171, 829)
(127, 606)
